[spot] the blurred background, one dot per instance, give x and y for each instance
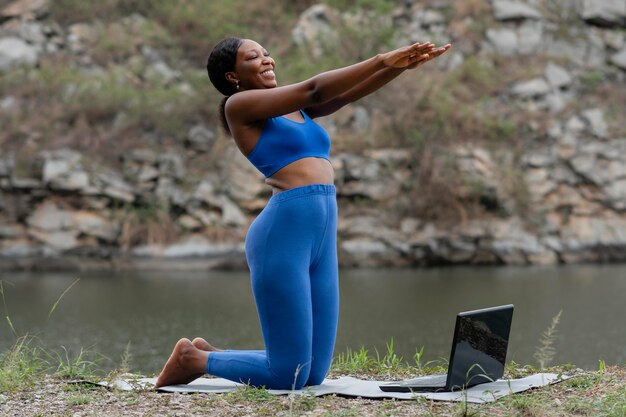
(508, 150)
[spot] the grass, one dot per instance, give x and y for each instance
(27, 369)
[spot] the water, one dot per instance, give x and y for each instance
(108, 311)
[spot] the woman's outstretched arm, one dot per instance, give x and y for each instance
(251, 106)
(370, 85)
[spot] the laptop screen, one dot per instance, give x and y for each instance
(479, 348)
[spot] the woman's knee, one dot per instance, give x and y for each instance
(292, 375)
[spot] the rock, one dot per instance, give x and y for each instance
(365, 251)
(23, 183)
(147, 173)
(514, 10)
(11, 231)
(142, 156)
(193, 246)
(504, 40)
(616, 194)
(352, 117)
(390, 157)
(539, 159)
(6, 166)
(26, 9)
(597, 125)
(8, 104)
(588, 167)
(206, 217)
(531, 89)
(574, 125)
(316, 27)
(593, 231)
(530, 37)
(62, 170)
(61, 240)
(619, 59)
(48, 217)
(241, 180)
(19, 248)
(112, 185)
(579, 50)
(359, 168)
(604, 12)
(409, 225)
(512, 244)
(15, 52)
(161, 73)
(171, 165)
(30, 32)
(189, 223)
(201, 138)
(79, 34)
(360, 225)
(94, 225)
(206, 193)
(231, 214)
(557, 76)
(168, 191)
(383, 189)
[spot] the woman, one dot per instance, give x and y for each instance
(291, 246)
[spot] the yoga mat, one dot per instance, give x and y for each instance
(354, 387)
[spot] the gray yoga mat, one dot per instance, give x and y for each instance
(353, 387)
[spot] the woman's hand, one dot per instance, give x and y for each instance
(430, 55)
(403, 57)
(413, 55)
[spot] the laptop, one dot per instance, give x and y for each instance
(478, 355)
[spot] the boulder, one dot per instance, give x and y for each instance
(59, 240)
(200, 138)
(171, 165)
(557, 76)
(514, 10)
(504, 41)
(619, 59)
(19, 248)
(531, 89)
(48, 217)
(365, 251)
(26, 9)
(192, 246)
(15, 52)
(91, 224)
(112, 185)
(62, 170)
(604, 12)
(317, 27)
(595, 120)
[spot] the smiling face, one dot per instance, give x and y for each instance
(254, 67)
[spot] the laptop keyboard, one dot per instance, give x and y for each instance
(429, 380)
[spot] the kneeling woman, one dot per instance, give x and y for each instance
(291, 246)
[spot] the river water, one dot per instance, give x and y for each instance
(146, 312)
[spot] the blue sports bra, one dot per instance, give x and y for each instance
(284, 141)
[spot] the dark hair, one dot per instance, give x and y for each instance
(222, 60)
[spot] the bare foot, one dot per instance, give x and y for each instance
(202, 344)
(185, 364)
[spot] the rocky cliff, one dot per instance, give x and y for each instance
(551, 80)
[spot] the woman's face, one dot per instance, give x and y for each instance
(254, 67)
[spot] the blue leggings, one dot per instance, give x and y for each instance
(291, 248)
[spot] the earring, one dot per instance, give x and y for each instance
(237, 85)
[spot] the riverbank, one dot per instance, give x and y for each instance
(588, 393)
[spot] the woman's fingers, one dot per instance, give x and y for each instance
(413, 55)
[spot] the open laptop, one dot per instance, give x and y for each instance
(478, 355)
